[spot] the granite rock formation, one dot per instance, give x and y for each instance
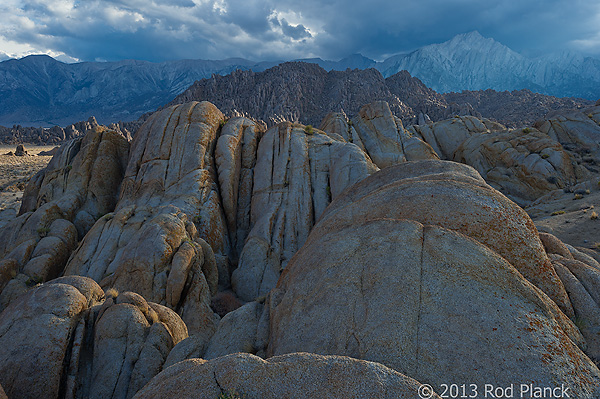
(411, 282)
(298, 375)
(154, 263)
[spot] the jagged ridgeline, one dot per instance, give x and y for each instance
(40, 91)
(360, 240)
(298, 91)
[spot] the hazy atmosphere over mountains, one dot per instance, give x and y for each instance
(40, 91)
(550, 47)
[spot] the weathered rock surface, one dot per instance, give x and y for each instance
(63, 340)
(132, 339)
(243, 330)
(60, 204)
(201, 214)
(296, 176)
(83, 179)
(580, 274)
(382, 136)
(454, 196)
(446, 136)
(150, 244)
(524, 164)
(401, 293)
(578, 132)
(298, 375)
(236, 332)
(191, 205)
(36, 333)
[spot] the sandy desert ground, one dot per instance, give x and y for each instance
(574, 217)
(14, 173)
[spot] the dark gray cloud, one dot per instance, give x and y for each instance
(159, 30)
(297, 32)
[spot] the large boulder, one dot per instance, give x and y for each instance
(580, 274)
(65, 339)
(454, 196)
(132, 339)
(446, 136)
(297, 174)
(156, 253)
(245, 330)
(379, 134)
(419, 298)
(159, 241)
(60, 204)
(577, 129)
(82, 179)
(38, 331)
(394, 276)
(298, 375)
(524, 164)
(237, 332)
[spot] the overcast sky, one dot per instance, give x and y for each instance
(159, 30)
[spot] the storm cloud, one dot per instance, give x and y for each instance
(158, 30)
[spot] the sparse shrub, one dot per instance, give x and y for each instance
(590, 115)
(578, 196)
(229, 395)
(587, 191)
(108, 216)
(558, 213)
(545, 156)
(112, 293)
(68, 168)
(594, 215)
(261, 298)
(43, 231)
(33, 281)
(580, 322)
(197, 219)
(526, 130)
(224, 302)
(249, 348)
(328, 189)
(308, 129)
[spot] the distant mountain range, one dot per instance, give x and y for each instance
(472, 62)
(304, 92)
(40, 91)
